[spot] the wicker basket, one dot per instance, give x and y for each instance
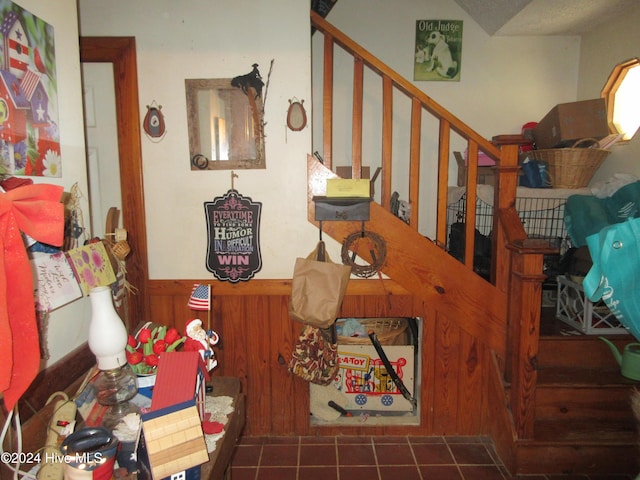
(388, 330)
(571, 167)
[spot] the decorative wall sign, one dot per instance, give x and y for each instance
(29, 135)
(296, 115)
(153, 122)
(438, 52)
(233, 230)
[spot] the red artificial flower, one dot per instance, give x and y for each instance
(144, 335)
(159, 346)
(132, 342)
(151, 360)
(172, 335)
(134, 357)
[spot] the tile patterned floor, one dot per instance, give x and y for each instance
(371, 458)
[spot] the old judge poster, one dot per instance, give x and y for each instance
(233, 230)
(438, 51)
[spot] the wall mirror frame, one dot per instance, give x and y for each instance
(226, 125)
(121, 53)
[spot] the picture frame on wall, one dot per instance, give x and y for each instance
(29, 134)
(438, 50)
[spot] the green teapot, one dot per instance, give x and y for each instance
(629, 359)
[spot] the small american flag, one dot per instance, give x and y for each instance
(200, 298)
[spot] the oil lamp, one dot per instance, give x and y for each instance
(116, 382)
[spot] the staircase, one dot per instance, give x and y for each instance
(583, 417)
(555, 404)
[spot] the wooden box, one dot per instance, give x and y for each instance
(485, 174)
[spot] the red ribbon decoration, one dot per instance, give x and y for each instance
(35, 210)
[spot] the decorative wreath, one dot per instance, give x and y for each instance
(374, 244)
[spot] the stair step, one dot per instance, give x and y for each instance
(609, 460)
(579, 446)
(607, 376)
(584, 404)
(586, 351)
(580, 432)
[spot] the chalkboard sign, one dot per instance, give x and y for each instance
(233, 229)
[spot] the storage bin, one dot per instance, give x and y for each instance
(574, 309)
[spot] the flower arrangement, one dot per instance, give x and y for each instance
(144, 350)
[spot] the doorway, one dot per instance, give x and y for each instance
(120, 52)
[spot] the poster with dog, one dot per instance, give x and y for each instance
(438, 52)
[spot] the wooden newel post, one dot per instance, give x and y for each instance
(506, 183)
(519, 273)
(523, 331)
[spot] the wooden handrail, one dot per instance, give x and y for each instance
(402, 84)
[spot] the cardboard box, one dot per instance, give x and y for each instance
(568, 122)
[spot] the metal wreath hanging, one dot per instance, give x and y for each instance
(376, 246)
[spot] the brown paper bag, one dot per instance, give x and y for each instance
(318, 288)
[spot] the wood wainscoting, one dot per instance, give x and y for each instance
(257, 337)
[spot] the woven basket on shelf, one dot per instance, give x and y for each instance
(388, 330)
(571, 167)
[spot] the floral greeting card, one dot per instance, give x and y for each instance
(92, 266)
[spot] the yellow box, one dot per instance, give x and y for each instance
(347, 187)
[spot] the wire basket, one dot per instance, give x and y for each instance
(388, 330)
(571, 167)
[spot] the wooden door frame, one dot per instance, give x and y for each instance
(121, 53)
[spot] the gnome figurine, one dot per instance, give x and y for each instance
(201, 340)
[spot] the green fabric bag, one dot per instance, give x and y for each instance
(615, 274)
(586, 215)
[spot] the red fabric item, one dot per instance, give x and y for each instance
(37, 211)
(10, 183)
(211, 428)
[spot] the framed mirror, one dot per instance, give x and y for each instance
(226, 128)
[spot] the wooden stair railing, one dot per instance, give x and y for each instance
(511, 330)
(448, 123)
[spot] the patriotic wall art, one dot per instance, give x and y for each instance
(29, 136)
(233, 229)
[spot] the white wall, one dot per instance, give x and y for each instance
(505, 81)
(67, 326)
(221, 39)
(601, 51)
